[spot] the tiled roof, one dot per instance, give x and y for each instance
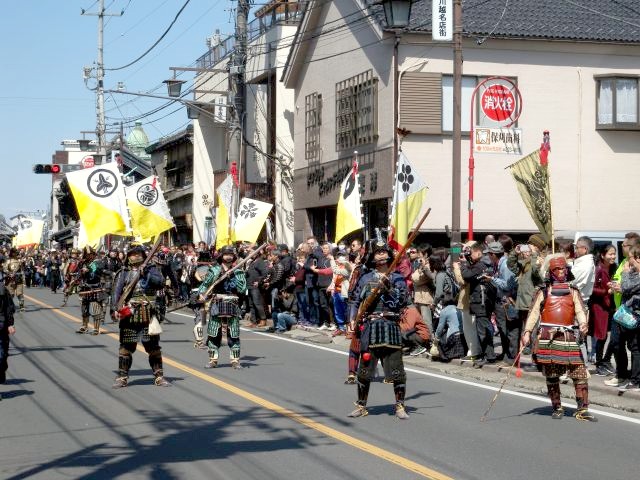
(578, 20)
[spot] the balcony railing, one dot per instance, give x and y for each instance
(280, 13)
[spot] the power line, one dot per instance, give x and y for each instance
(156, 43)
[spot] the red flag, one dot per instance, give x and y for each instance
(234, 173)
(545, 148)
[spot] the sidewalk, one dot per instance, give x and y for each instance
(530, 381)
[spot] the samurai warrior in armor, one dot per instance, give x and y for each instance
(136, 314)
(161, 260)
(71, 273)
(380, 337)
(112, 265)
(91, 293)
(224, 308)
(557, 307)
(14, 277)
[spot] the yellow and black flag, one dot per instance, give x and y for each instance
(532, 179)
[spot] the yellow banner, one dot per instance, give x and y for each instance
(532, 180)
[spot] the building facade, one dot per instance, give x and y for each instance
(580, 84)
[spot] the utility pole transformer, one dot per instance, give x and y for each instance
(101, 125)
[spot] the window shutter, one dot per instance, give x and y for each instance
(421, 102)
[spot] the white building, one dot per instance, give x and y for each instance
(265, 169)
(577, 70)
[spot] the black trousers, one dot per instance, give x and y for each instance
(4, 351)
(485, 336)
(256, 301)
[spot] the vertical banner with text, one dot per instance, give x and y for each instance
(442, 20)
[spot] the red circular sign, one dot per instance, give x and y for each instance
(498, 102)
(88, 162)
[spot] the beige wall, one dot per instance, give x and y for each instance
(592, 172)
(591, 189)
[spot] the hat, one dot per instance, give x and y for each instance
(494, 247)
(283, 247)
(537, 241)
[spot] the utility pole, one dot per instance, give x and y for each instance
(99, 74)
(456, 235)
(237, 81)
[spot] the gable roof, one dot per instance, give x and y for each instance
(616, 21)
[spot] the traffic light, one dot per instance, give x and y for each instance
(44, 168)
(56, 168)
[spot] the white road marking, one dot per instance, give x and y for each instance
(529, 396)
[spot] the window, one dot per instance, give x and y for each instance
(617, 103)
(468, 84)
(356, 111)
(312, 124)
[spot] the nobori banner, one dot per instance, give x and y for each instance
(442, 20)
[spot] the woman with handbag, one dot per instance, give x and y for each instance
(630, 288)
(601, 309)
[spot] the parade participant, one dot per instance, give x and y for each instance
(557, 306)
(136, 313)
(71, 272)
(14, 281)
(361, 260)
(380, 336)
(225, 307)
(160, 259)
(7, 328)
(90, 291)
(112, 265)
(53, 271)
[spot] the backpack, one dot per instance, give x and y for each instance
(451, 287)
(451, 293)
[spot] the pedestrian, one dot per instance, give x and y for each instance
(505, 284)
(285, 315)
(557, 307)
(523, 262)
(415, 334)
(423, 285)
(448, 336)
(339, 289)
(601, 309)
(618, 341)
(630, 289)
(7, 328)
(468, 320)
(481, 301)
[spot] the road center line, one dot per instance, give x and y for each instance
(296, 417)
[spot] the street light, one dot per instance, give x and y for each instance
(397, 13)
(174, 86)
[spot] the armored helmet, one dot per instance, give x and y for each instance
(228, 250)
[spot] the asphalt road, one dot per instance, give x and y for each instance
(281, 417)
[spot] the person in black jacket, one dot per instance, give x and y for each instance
(7, 309)
(285, 314)
(257, 275)
(481, 300)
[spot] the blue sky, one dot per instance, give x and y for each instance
(43, 98)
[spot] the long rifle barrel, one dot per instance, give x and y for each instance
(377, 291)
